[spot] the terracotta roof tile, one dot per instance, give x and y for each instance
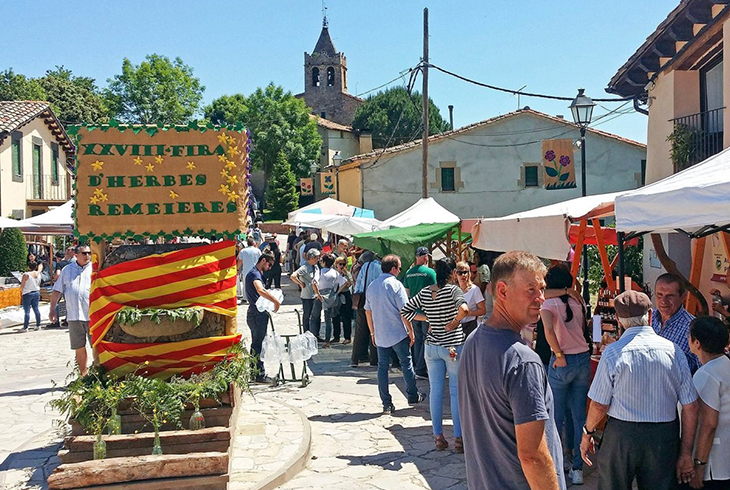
(14, 114)
(326, 123)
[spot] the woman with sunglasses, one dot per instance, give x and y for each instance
(343, 321)
(444, 307)
(473, 297)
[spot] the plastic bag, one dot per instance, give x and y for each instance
(263, 304)
(309, 342)
(273, 350)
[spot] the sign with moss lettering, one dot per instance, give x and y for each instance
(146, 181)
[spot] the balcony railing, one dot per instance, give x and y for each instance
(46, 187)
(696, 137)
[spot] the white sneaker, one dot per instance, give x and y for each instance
(576, 476)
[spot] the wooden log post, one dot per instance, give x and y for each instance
(607, 269)
(575, 266)
(695, 275)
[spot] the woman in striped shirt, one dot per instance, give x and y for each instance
(444, 308)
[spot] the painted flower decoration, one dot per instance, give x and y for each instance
(550, 155)
(174, 195)
(94, 200)
(191, 165)
(564, 160)
(232, 196)
(98, 192)
(222, 158)
(232, 179)
(224, 173)
(222, 138)
(158, 159)
(233, 151)
(230, 165)
(97, 165)
(150, 167)
(137, 161)
(231, 140)
(224, 189)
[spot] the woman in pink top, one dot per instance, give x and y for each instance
(570, 365)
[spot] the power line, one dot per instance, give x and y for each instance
(515, 92)
(399, 77)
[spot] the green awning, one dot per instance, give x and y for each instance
(404, 241)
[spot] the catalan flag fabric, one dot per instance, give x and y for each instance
(202, 276)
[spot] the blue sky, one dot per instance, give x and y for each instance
(235, 46)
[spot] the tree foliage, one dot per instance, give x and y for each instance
(282, 197)
(13, 251)
(73, 99)
(278, 122)
(633, 264)
(394, 117)
(157, 91)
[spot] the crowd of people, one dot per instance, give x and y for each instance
(526, 420)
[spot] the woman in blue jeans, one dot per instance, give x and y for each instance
(569, 368)
(444, 308)
(30, 288)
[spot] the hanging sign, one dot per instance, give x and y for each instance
(558, 162)
(307, 187)
(327, 183)
(134, 181)
(720, 261)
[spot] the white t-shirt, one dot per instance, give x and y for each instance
(472, 297)
(712, 382)
(328, 279)
(248, 257)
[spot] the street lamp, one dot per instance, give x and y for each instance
(337, 161)
(582, 110)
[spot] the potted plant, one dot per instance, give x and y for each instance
(196, 387)
(157, 403)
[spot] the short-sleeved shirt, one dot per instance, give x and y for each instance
(440, 311)
(307, 274)
(570, 334)
(417, 278)
(251, 294)
(75, 284)
(502, 384)
(712, 381)
(472, 297)
(385, 298)
(248, 257)
(676, 329)
(327, 278)
(641, 377)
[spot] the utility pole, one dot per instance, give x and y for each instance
(424, 191)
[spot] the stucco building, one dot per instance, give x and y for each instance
(325, 82)
(35, 155)
(679, 72)
(490, 168)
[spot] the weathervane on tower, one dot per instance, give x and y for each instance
(324, 14)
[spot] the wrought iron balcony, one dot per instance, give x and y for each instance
(46, 188)
(696, 137)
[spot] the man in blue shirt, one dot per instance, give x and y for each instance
(258, 321)
(639, 381)
(386, 296)
(362, 348)
(669, 319)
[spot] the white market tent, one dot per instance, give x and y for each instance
(425, 211)
(57, 221)
(695, 200)
(12, 223)
(332, 207)
(337, 224)
(542, 231)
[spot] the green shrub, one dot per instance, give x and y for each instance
(13, 251)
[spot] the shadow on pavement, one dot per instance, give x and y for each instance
(35, 391)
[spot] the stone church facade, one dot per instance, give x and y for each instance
(325, 82)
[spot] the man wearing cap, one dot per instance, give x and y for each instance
(670, 320)
(639, 381)
(418, 277)
(304, 277)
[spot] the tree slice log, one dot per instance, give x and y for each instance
(145, 439)
(117, 470)
(67, 456)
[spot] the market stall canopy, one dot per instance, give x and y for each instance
(333, 206)
(13, 223)
(426, 210)
(56, 221)
(542, 231)
(403, 241)
(339, 225)
(695, 200)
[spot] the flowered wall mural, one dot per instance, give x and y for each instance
(558, 162)
(306, 186)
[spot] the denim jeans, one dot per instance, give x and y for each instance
(328, 315)
(439, 363)
(403, 350)
(258, 323)
(420, 329)
(315, 320)
(570, 390)
(30, 300)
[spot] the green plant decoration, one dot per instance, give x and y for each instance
(156, 401)
(132, 316)
(684, 145)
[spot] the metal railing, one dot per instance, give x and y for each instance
(697, 137)
(46, 187)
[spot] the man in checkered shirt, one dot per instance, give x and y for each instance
(669, 319)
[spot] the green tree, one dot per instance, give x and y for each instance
(157, 91)
(633, 264)
(74, 99)
(394, 117)
(13, 251)
(282, 196)
(14, 86)
(278, 122)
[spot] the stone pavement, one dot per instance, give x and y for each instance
(353, 445)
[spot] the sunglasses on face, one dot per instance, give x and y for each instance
(84, 253)
(462, 273)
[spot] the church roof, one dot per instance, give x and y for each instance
(324, 43)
